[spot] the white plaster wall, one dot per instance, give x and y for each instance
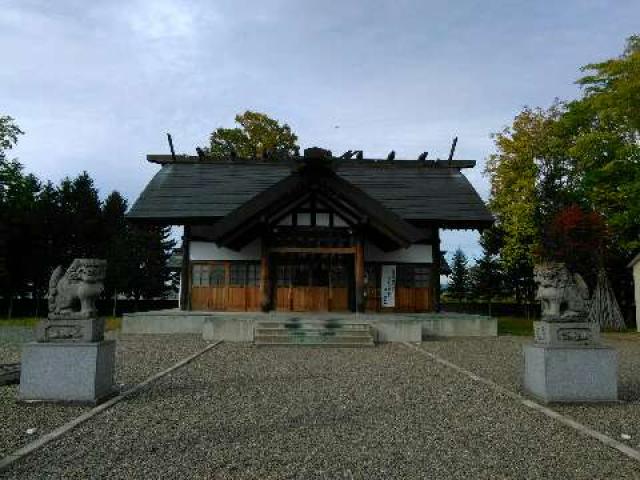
(413, 254)
(210, 251)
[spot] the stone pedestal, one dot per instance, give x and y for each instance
(571, 373)
(75, 372)
(566, 333)
(70, 329)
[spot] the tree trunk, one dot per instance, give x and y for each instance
(115, 303)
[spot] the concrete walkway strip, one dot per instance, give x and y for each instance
(67, 427)
(579, 427)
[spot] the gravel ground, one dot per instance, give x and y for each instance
(137, 357)
(500, 359)
(11, 340)
(388, 412)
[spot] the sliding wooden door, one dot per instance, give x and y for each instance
(312, 283)
(225, 286)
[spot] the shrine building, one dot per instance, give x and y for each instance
(310, 233)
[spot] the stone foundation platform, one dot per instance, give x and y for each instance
(68, 372)
(569, 373)
(239, 326)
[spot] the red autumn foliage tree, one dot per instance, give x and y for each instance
(578, 238)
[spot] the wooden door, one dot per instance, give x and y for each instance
(312, 283)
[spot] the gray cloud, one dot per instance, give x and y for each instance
(96, 84)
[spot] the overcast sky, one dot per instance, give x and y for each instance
(96, 84)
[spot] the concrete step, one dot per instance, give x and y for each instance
(319, 336)
(308, 344)
(313, 340)
(313, 333)
(315, 324)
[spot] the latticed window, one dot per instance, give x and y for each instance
(404, 275)
(201, 275)
(284, 275)
(237, 274)
(338, 276)
(241, 274)
(422, 276)
(413, 275)
(253, 274)
(196, 276)
(217, 276)
(371, 274)
(301, 275)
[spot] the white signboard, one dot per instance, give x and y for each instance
(388, 286)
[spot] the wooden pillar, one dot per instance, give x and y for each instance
(265, 276)
(185, 274)
(435, 251)
(359, 275)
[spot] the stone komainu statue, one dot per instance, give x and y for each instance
(72, 295)
(564, 296)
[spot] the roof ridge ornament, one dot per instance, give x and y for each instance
(453, 150)
(317, 152)
(317, 158)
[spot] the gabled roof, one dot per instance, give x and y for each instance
(242, 224)
(199, 192)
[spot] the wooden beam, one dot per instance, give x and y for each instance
(265, 276)
(185, 274)
(359, 274)
(334, 250)
(435, 252)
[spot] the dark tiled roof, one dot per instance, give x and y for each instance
(315, 184)
(197, 191)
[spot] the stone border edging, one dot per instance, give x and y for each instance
(7, 461)
(579, 427)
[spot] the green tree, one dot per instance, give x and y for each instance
(81, 216)
(48, 234)
(532, 177)
(18, 208)
(459, 285)
(257, 136)
(605, 128)
(486, 279)
(15, 193)
(9, 133)
(150, 246)
(584, 153)
(116, 250)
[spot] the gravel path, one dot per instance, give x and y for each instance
(138, 357)
(500, 359)
(388, 412)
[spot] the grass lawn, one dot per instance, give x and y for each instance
(522, 327)
(515, 326)
(19, 322)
